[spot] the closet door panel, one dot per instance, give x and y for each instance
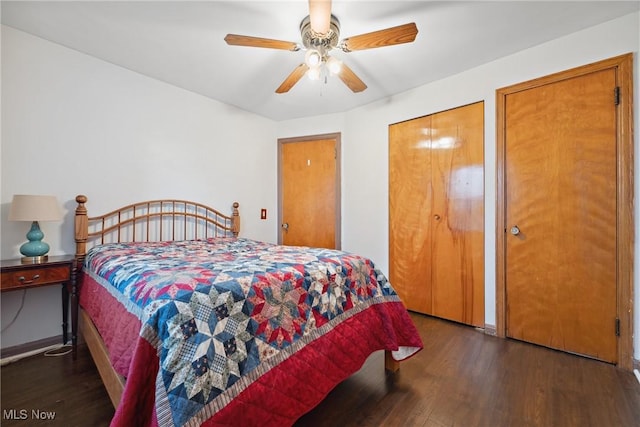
(458, 214)
(410, 199)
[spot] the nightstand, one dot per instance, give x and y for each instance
(55, 270)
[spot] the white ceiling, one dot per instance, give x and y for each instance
(181, 42)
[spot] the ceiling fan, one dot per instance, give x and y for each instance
(320, 32)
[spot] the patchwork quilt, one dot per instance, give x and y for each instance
(231, 331)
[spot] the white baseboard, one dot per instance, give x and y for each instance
(11, 354)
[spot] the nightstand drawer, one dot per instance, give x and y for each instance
(35, 277)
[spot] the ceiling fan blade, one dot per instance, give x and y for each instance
(349, 78)
(396, 35)
(320, 15)
(238, 40)
(293, 78)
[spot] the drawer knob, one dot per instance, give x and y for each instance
(27, 282)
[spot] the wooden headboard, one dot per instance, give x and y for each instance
(152, 221)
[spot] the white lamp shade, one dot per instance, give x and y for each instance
(314, 73)
(34, 208)
(334, 65)
(312, 58)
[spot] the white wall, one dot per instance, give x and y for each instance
(73, 124)
(365, 138)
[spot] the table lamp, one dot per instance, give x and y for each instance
(34, 209)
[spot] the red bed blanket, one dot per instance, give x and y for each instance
(232, 331)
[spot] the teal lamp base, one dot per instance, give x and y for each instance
(35, 250)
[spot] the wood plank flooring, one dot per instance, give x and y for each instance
(461, 378)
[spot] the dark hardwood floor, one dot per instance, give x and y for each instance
(461, 378)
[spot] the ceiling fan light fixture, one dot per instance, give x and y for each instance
(334, 65)
(313, 58)
(314, 73)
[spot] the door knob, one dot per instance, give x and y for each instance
(436, 217)
(285, 226)
(515, 230)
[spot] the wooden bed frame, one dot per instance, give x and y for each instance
(156, 220)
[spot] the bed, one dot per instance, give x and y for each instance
(190, 324)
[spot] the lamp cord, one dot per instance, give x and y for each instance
(62, 350)
(24, 294)
(54, 352)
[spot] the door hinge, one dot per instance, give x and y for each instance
(617, 327)
(616, 95)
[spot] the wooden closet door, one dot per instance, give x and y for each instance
(410, 201)
(436, 213)
(457, 220)
(560, 172)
